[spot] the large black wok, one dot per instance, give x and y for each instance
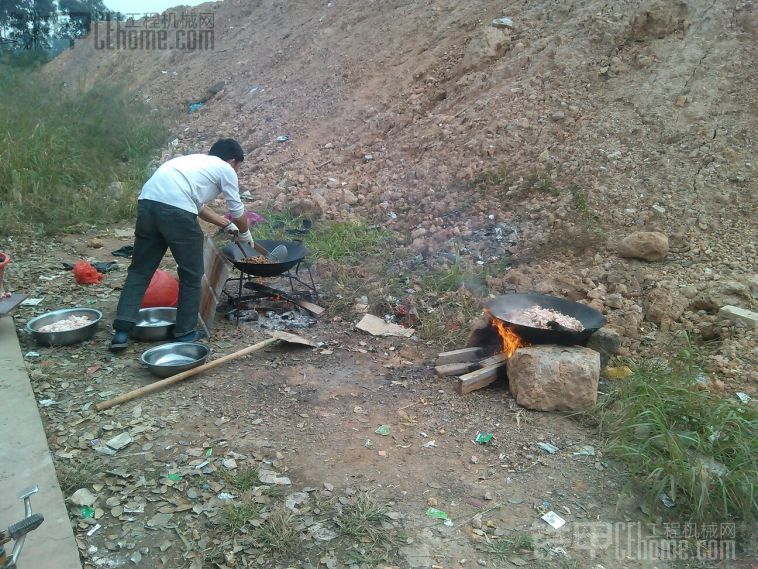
(503, 307)
(296, 252)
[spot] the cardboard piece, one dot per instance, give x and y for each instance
(378, 327)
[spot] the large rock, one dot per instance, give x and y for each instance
(647, 245)
(661, 305)
(605, 342)
(738, 315)
(720, 293)
(484, 48)
(554, 378)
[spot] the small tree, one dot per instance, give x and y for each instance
(31, 24)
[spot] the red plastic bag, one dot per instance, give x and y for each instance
(162, 291)
(85, 273)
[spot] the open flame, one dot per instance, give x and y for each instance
(508, 338)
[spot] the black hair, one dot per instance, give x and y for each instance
(227, 149)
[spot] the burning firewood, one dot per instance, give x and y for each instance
(480, 378)
(460, 356)
(465, 367)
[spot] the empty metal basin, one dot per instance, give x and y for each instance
(170, 359)
(154, 324)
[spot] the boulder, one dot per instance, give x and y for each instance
(306, 208)
(554, 378)
(720, 293)
(484, 48)
(738, 315)
(647, 245)
(663, 307)
(605, 342)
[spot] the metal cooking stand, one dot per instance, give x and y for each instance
(244, 280)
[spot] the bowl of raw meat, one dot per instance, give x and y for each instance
(64, 327)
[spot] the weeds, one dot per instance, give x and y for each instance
(278, 533)
(678, 438)
(540, 181)
(243, 479)
(508, 546)
(237, 516)
(60, 152)
(490, 181)
(273, 491)
(362, 518)
(74, 475)
(341, 240)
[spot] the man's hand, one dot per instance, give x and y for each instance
(232, 229)
(244, 237)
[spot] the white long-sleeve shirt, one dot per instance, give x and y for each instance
(189, 182)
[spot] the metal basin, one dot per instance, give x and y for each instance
(154, 324)
(170, 359)
(70, 336)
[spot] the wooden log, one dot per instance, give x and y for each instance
(466, 367)
(479, 378)
(314, 309)
(459, 356)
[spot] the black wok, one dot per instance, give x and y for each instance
(504, 306)
(296, 252)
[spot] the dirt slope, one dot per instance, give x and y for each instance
(582, 122)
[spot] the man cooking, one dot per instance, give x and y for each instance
(167, 211)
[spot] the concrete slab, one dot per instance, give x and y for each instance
(25, 460)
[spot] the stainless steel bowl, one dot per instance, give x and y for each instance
(64, 338)
(170, 359)
(154, 324)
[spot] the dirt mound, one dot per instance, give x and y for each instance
(572, 124)
(402, 105)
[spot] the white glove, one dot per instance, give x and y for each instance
(232, 229)
(244, 238)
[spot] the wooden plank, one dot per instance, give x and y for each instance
(445, 370)
(459, 356)
(465, 367)
(479, 378)
(314, 309)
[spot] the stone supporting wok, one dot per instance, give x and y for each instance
(554, 378)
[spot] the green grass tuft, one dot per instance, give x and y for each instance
(242, 479)
(279, 533)
(702, 450)
(341, 240)
(236, 516)
(76, 474)
(508, 546)
(362, 518)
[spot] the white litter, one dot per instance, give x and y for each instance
(91, 532)
(554, 520)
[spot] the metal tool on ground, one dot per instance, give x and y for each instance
(283, 337)
(18, 531)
